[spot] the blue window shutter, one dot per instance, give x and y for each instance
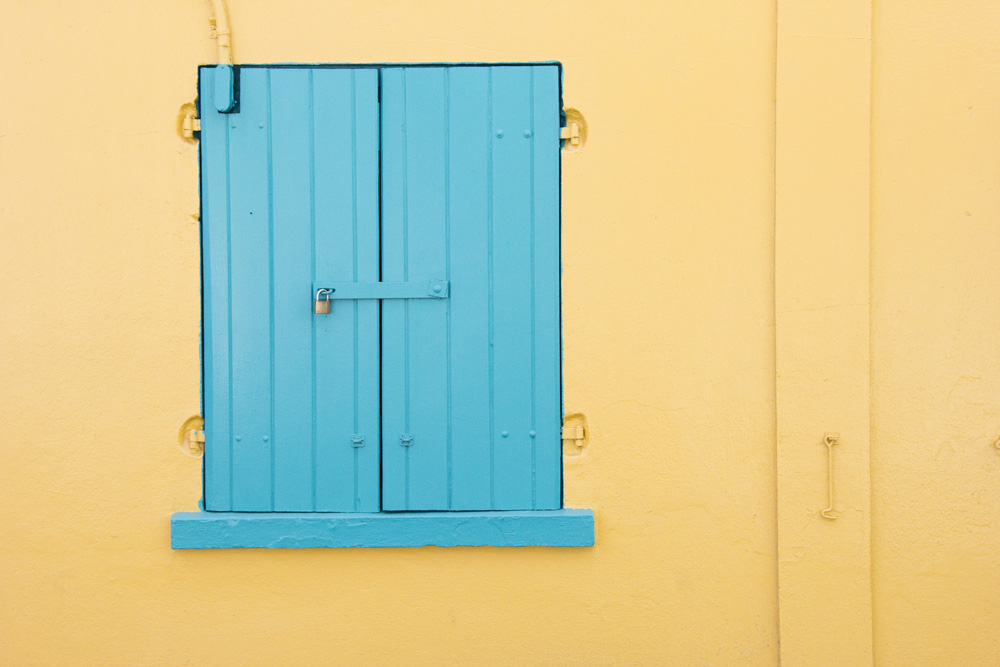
(289, 192)
(470, 194)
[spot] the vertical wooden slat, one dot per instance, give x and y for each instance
(547, 306)
(414, 249)
(426, 319)
(395, 417)
(314, 406)
(215, 273)
(251, 295)
(367, 382)
(293, 316)
(490, 295)
(468, 142)
(334, 260)
(449, 429)
(346, 242)
(512, 289)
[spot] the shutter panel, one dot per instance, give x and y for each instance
(470, 194)
(289, 192)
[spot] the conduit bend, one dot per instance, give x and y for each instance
(220, 31)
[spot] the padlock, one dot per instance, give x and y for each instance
(321, 306)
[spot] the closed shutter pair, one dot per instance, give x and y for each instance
(347, 177)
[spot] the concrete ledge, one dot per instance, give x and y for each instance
(287, 530)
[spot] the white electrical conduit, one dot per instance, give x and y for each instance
(225, 96)
(220, 30)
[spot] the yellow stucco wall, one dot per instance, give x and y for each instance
(936, 332)
(669, 218)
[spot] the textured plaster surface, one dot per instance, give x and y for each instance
(667, 242)
(936, 333)
(669, 346)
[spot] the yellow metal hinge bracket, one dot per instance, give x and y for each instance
(191, 437)
(189, 125)
(570, 134)
(573, 133)
(196, 442)
(575, 435)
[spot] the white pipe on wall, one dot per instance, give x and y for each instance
(220, 30)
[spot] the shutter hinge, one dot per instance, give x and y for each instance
(190, 124)
(570, 134)
(195, 441)
(191, 437)
(574, 434)
(573, 133)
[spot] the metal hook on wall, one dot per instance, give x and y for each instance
(830, 439)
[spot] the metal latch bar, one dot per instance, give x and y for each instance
(428, 289)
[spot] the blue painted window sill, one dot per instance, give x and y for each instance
(281, 530)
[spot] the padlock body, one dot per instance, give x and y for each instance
(321, 307)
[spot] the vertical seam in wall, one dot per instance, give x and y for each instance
(787, 250)
(774, 328)
(871, 358)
